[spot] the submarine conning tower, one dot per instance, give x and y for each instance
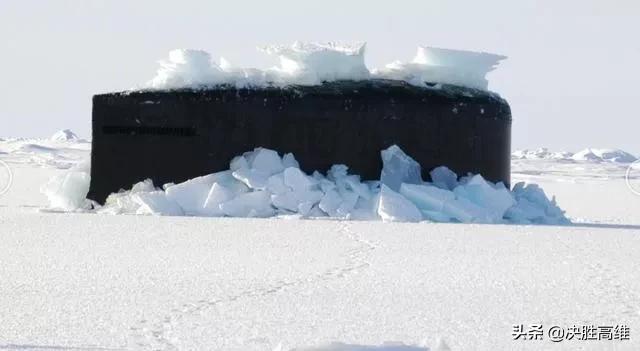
(175, 135)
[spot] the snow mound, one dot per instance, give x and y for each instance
(435, 65)
(34, 149)
(541, 154)
(315, 63)
(604, 155)
(258, 185)
(64, 135)
(586, 155)
(47, 153)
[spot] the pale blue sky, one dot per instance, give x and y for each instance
(571, 76)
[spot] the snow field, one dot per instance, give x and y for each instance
(92, 281)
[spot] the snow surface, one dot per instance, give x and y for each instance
(314, 63)
(76, 281)
(54, 152)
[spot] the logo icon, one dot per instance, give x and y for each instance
(632, 177)
(6, 177)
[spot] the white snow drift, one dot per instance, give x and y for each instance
(65, 135)
(586, 155)
(62, 150)
(314, 63)
(604, 155)
(260, 183)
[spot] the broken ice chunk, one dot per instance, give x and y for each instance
(426, 197)
(466, 211)
(525, 212)
(252, 204)
(156, 203)
(304, 208)
(190, 195)
(330, 202)
(436, 216)
(266, 161)
(288, 160)
(238, 162)
(374, 186)
(68, 191)
(337, 172)
(326, 185)
(366, 209)
(316, 212)
(275, 184)
(122, 202)
(295, 179)
(226, 179)
(218, 195)
(143, 186)
(495, 199)
(310, 196)
(444, 178)
(531, 200)
(293, 200)
(317, 176)
(349, 201)
(253, 178)
(393, 207)
(353, 181)
(398, 168)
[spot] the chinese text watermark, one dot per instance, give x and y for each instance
(556, 333)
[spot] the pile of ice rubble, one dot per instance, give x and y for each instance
(314, 63)
(586, 155)
(263, 184)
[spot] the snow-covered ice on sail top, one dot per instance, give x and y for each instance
(315, 63)
(435, 65)
(300, 63)
(187, 68)
(261, 183)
